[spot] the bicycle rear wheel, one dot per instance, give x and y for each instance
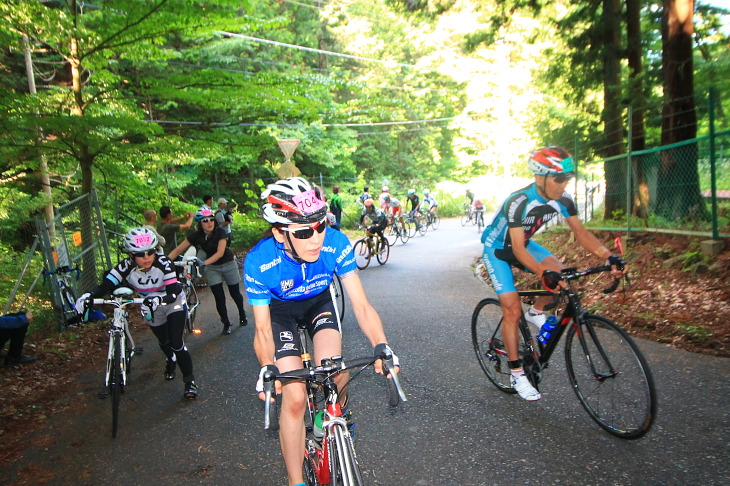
(338, 295)
(383, 251)
(422, 226)
(610, 377)
(362, 254)
(309, 470)
(486, 336)
(115, 383)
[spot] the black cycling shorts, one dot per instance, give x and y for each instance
(314, 314)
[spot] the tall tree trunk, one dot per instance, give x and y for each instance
(612, 123)
(85, 158)
(640, 199)
(678, 194)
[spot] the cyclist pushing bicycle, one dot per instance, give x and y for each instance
(507, 244)
(288, 275)
(153, 276)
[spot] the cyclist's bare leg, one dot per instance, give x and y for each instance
(291, 421)
(328, 343)
(553, 264)
(511, 311)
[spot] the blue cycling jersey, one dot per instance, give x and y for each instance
(528, 209)
(270, 273)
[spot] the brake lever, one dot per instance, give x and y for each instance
(390, 368)
(613, 286)
(268, 379)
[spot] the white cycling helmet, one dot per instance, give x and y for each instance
(386, 189)
(293, 201)
(426, 192)
(140, 239)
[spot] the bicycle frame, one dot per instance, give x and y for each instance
(120, 328)
(572, 314)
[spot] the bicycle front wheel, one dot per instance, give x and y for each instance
(191, 297)
(486, 336)
(392, 234)
(383, 251)
(405, 232)
(345, 469)
(362, 254)
(465, 218)
(421, 226)
(610, 377)
(115, 383)
(435, 221)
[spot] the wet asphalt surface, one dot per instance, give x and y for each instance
(456, 428)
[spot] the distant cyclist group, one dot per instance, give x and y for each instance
(288, 275)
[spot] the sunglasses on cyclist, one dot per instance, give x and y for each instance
(306, 233)
(143, 254)
(207, 220)
(561, 178)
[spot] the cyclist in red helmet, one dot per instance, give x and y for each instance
(507, 244)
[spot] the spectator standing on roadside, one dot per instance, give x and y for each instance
(208, 202)
(336, 206)
(224, 218)
(150, 220)
(364, 197)
(219, 264)
(169, 225)
(13, 328)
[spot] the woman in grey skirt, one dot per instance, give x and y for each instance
(220, 265)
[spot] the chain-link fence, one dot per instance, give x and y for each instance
(74, 250)
(669, 188)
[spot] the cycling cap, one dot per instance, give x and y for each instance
(140, 239)
(385, 189)
(203, 212)
(411, 191)
(426, 192)
(368, 202)
(293, 201)
(550, 160)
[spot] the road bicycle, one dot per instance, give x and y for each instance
(69, 316)
(371, 244)
(479, 219)
(187, 270)
(121, 349)
(432, 220)
(329, 454)
(338, 295)
(398, 228)
(416, 223)
(468, 215)
(606, 369)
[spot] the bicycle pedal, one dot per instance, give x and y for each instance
(138, 351)
(103, 393)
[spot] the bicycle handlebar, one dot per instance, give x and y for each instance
(573, 274)
(329, 368)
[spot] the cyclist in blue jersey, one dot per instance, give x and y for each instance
(288, 276)
(507, 243)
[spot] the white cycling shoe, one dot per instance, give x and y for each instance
(524, 388)
(535, 319)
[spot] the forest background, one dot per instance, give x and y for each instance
(154, 102)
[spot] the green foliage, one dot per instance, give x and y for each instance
(246, 230)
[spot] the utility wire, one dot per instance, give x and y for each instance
(319, 51)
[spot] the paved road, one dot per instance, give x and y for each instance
(456, 429)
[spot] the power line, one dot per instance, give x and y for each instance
(320, 51)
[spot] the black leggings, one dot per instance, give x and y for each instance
(171, 341)
(220, 301)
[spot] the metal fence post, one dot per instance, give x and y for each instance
(713, 180)
(629, 190)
